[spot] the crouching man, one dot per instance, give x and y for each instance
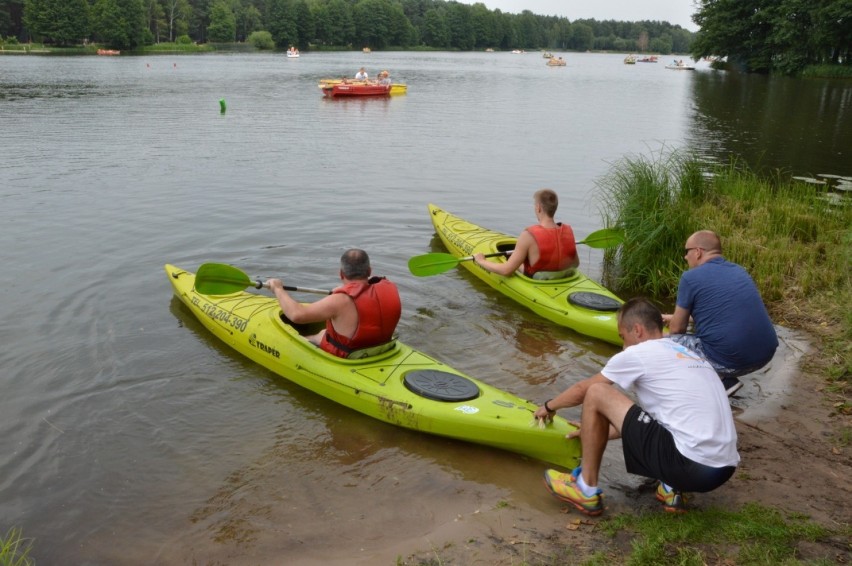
(680, 430)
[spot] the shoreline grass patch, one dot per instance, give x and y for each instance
(15, 549)
(753, 534)
(793, 237)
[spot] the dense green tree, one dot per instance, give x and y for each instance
(64, 22)
(249, 20)
(400, 31)
(177, 15)
(662, 44)
(435, 31)
(261, 40)
(372, 22)
(11, 17)
(223, 23)
(200, 19)
(583, 38)
(155, 15)
(461, 29)
(119, 24)
(305, 26)
(335, 25)
(282, 23)
(445, 24)
(774, 35)
(530, 32)
(483, 24)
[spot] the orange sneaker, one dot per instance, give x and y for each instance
(564, 487)
(673, 500)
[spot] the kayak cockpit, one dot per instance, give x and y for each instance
(312, 328)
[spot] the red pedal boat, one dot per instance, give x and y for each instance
(343, 89)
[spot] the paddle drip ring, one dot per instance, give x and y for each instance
(441, 385)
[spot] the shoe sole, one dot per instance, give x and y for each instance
(680, 509)
(580, 508)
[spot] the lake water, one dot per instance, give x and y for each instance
(129, 435)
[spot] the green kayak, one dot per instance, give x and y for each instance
(400, 385)
(575, 302)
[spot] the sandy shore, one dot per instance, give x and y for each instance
(785, 427)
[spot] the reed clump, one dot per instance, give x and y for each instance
(792, 238)
(15, 549)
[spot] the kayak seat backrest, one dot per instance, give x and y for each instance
(548, 275)
(372, 350)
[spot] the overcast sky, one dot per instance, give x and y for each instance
(677, 12)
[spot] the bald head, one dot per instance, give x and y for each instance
(707, 240)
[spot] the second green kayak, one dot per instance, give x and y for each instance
(575, 302)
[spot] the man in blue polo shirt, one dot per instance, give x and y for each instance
(732, 328)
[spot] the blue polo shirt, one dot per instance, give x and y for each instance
(729, 314)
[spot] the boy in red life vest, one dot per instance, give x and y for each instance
(547, 248)
(361, 313)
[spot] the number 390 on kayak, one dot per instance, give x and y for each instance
(221, 315)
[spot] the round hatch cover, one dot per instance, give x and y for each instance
(594, 301)
(441, 385)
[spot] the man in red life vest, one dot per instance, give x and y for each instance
(361, 313)
(547, 250)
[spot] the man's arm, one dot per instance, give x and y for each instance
(513, 262)
(571, 397)
(300, 313)
(679, 321)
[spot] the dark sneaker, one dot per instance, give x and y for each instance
(673, 501)
(732, 385)
(564, 487)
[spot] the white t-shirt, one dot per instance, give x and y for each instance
(683, 393)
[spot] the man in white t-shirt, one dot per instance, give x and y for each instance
(679, 431)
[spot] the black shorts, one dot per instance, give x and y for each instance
(650, 451)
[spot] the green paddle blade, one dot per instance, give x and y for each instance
(604, 238)
(220, 279)
(432, 264)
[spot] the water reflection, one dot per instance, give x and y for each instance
(795, 125)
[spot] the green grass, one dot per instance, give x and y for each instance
(15, 550)
(794, 241)
(753, 535)
(828, 71)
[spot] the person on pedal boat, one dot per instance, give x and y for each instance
(361, 313)
(546, 250)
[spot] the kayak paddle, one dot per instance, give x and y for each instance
(436, 263)
(222, 279)
(604, 238)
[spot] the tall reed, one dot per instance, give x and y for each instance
(792, 239)
(15, 550)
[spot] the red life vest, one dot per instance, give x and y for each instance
(379, 308)
(557, 249)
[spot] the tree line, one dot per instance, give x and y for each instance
(378, 24)
(783, 36)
